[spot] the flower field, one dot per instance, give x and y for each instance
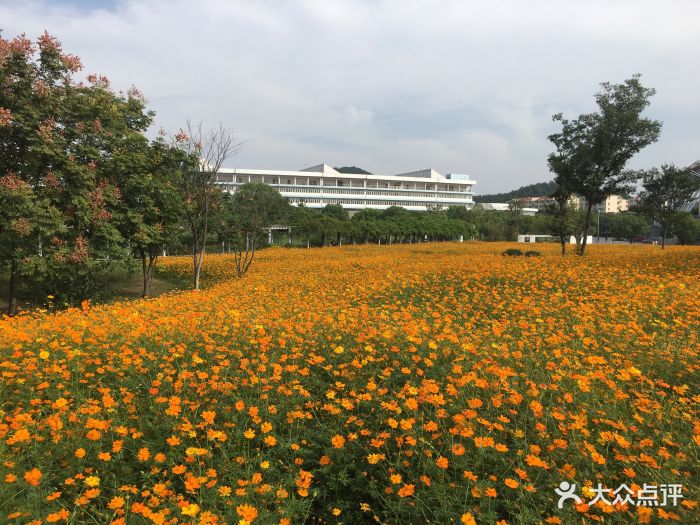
(439, 383)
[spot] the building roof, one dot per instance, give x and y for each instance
(328, 171)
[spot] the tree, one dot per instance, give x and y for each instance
(627, 226)
(149, 175)
(206, 151)
(563, 221)
(593, 149)
(24, 221)
(58, 137)
(686, 227)
(665, 190)
(254, 207)
(341, 216)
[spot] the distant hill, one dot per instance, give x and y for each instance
(352, 169)
(539, 189)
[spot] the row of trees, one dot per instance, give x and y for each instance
(332, 225)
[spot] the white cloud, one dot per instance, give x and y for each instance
(389, 85)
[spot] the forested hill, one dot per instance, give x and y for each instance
(538, 189)
(352, 169)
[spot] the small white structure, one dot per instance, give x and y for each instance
(533, 238)
(503, 206)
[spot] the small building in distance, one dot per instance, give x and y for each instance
(536, 238)
(504, 206)
(540, 204)
(613, 204)
(321, 185)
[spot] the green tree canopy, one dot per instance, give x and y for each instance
(592, 150)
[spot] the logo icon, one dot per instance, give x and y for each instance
(566, 491)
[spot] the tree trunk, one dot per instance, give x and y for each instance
(148, 262)
(308, 241)
(562, 239)
(12, 292)
(144, 269)
(663, 237)
(586, 225)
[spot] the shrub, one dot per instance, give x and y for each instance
(532, 253)
(512, 252)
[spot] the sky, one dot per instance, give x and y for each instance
(460, 86)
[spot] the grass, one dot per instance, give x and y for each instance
(123, 285)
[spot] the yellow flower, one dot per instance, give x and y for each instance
(190, 510)
(373, 459)
(92, 481)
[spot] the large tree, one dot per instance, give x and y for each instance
(592, 150)
(57, 137)
(665, 190)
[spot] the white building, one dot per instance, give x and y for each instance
(537, 238)
(504, 206)
(321, 185)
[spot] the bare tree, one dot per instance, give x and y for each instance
(209, 149)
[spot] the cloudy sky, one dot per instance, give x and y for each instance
(465, 86)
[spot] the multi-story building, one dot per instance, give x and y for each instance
(612, 204)
(320, 185)
(539, 203)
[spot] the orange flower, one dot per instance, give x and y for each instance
(406, 490)
(442, 462)
(117, 502)
(510, 482)
(33, 477)
(468, 519)
(247, 512)
(338, 441)
(536, 408)
(61, 515)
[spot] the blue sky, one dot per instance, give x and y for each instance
(388, 85)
